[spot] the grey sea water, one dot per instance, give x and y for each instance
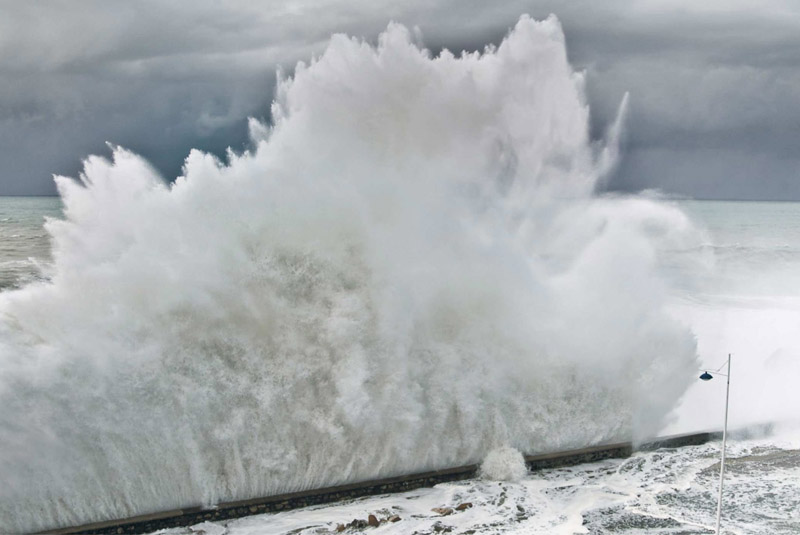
(24, 243)
(751, 248)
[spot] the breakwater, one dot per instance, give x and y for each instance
(282, 502)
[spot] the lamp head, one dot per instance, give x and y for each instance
(706, 376)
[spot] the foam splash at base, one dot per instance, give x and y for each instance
(503, 464)
(407, 271)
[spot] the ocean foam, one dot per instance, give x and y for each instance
(503, 464)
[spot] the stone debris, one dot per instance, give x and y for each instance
(371, 521)
(441, 528)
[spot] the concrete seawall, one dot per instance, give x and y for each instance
(194, 515)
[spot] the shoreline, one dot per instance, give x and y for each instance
(147, 523)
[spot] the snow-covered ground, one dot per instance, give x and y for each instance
(669, 491)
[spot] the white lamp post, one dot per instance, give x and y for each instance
(707, 377)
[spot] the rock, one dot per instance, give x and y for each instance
(340, 528)
(373, 521)
(444, 511)
(464, 506)
(358, 523)
(393, 518)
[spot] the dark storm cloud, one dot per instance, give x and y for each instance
(715, 89)
(714, 113)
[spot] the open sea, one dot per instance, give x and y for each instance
(24, 244)
(737, 285)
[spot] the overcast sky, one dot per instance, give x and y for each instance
(715, 85)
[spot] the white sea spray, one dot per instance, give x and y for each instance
(503, 464)
(408, 269)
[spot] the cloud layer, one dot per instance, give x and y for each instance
(714, 111)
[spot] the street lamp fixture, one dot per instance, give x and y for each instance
(707, 377)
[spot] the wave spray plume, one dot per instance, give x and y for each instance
(408, 270)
